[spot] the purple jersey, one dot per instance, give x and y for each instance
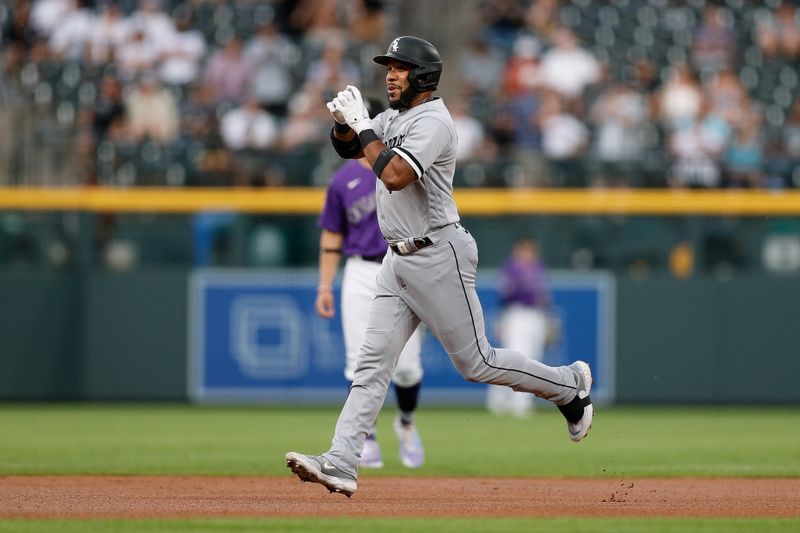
(524, 283)
(350, 209)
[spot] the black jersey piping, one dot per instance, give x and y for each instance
(475, 332)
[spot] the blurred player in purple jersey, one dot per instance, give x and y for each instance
(525, 298)
(350, 227)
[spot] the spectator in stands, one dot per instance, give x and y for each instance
(213, 165)
(11, 109)
(308, 122)
(522, 73)
(516, 129)
(564, 141)
(480, 66)
(680, 98)
(782, 151)
(228, 73)
(695, 149)
(714, 42)
(469, 130)
(541, 18)
(18, 27)
(70, 38)
(156, 24)
(619, 116)
(198, 115)
(790, 133)
(318, 21)
(567, 68)
(109, 109)
(368, 21)
(333, 68)
(248, 127)
(152, 112)
(182, 51)
(109, 29)
(135, 56)
(273, 56)
(728, 97)
(502, 20)
(46, 15)
(744, 158)
(716, 130)
(248, 131)
(778, 34)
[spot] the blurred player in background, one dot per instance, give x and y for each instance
(526, 301)
(350, 226)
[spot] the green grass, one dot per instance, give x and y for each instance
(180, 439)
(449, 525)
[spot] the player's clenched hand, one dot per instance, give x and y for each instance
(335, 112)
(325, 304)
(350, 104)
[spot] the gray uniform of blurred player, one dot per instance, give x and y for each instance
(429, 273)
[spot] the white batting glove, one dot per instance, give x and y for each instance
(335, 112)
(350, 104)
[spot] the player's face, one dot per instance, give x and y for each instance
(398, 89)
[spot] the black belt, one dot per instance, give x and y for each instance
(373, 258)
(419, 242)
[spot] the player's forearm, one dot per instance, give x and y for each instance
(343, 132)
(330, 250)
(395, 173)
(345, 142)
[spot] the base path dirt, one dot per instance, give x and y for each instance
(193, 496)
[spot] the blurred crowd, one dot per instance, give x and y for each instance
(178, 92)
(627, 93)
(570, 93)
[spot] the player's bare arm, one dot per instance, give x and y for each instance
(330, 251)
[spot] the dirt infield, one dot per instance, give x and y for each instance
(179, 496)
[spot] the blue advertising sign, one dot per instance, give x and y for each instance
(255, 337)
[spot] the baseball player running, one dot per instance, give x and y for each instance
(429, 273)
(350, 227)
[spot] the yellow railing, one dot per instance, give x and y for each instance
(470, 201)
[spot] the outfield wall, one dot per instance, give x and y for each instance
(104, 336)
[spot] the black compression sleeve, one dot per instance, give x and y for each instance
(346, 149)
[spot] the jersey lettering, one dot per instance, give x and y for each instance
(395, 141)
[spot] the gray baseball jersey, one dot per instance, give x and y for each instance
(425, 137)
(433, 284)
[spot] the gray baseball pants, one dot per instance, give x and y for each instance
(436, 285)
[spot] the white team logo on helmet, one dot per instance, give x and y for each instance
(394, 44)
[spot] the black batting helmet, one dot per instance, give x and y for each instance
(419, 53)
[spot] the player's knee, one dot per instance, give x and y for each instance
(471, 364)
(468, 369)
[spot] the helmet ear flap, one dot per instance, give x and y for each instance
(424, 81)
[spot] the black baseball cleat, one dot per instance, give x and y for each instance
(317, 469)
(579, 412)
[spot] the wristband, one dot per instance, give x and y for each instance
(331, 250)
(324, 288)
(367, 136)
(341, 128)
